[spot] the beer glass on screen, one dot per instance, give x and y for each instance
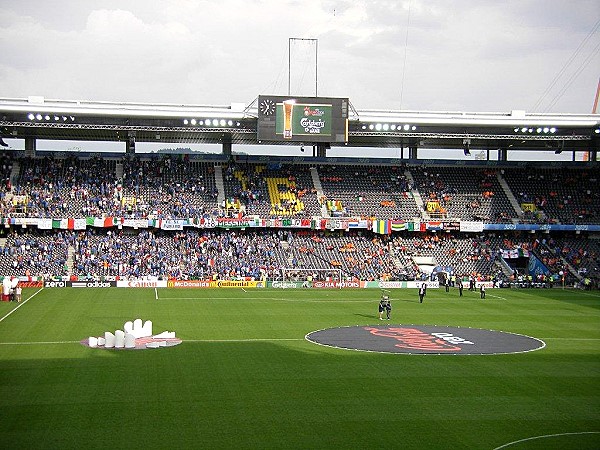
(288, 110)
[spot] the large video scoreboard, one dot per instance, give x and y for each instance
(302, 119)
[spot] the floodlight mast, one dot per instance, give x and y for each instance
(316, 42)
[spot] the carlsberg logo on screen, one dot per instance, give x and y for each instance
(304, 120)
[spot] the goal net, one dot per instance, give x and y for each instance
(295, 274)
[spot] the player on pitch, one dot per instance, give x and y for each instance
(383, 304)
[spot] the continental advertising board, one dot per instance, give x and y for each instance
(215, 284)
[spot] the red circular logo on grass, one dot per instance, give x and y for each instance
(425, 339)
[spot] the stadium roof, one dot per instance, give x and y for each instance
(40, 118)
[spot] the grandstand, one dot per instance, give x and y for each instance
(228, 216)
(315, 233)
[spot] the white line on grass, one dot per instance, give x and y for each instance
(243, 340)
(496, 296)
(571, 339)
(589, 294)
(270, 298)
(39, 343)
(217, 340)
(545, 436)
(155, 294)
(21, 304)
(184, 340)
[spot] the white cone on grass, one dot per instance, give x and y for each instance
(129, 340)
(137, 328)
(93, 341)
(119, 339)
(109, 339)
(128, 327)
(147, 329)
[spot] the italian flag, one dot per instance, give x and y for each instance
(104, 222)
(63, 224)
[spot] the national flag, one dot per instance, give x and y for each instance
(381, 226)
(104, 222)
(63, 224)
(398, 225)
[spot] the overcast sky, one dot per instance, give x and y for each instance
(540, 56)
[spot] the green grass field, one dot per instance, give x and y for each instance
(245, 377)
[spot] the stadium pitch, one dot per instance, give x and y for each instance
(244, 375)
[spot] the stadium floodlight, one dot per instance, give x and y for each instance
(378, 127)
(56, 118)
(64, 118)
(38, 116)
(47, 117)
(193, 121)
(539, 130)
(222, 122)
(386, 127)
(516, 130)
(413, 128)
(597, 131)
(406, 127)
(393, 127)
(31, 116)
(371, 126)
(185, 121)
(364, 127)
(546, 129)
(230, 123)
(201, 122)
(72, 118)
(215, 122)
(552, 130)
(524, 130)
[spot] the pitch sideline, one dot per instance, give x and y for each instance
(21, 304)
(544, 436)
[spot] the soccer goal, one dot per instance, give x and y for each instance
(294, 274)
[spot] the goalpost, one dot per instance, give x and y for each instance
(294, 274)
